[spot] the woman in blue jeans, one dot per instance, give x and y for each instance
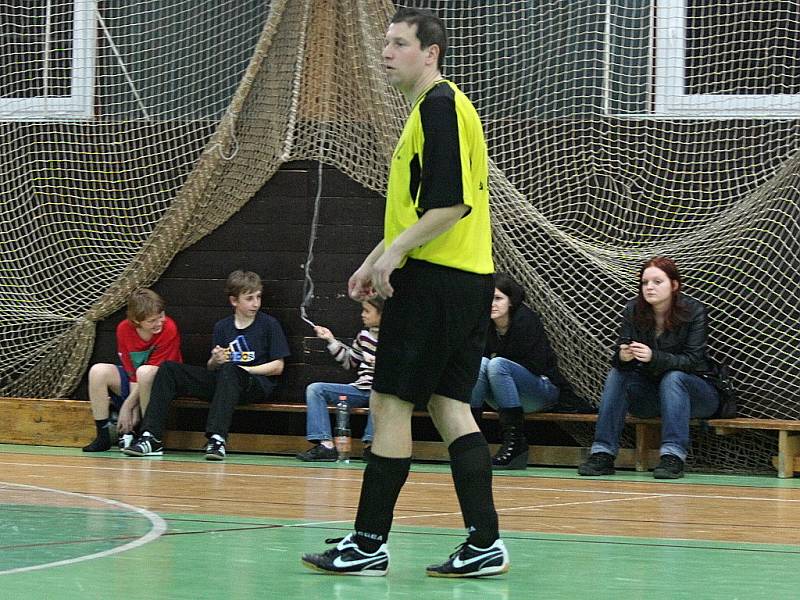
(658, 365)
(361, 357)
(519, 372)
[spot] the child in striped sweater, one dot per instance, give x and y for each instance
(361, 357)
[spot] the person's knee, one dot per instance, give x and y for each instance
(498, 366)
(314, 391)
(169, 367)
(146, 373)
(385, 408)
(615, 376)
(391, 420)
(452, 418)
(439, 409)
(167, 373)
(228, 369)
(673, 380)
(484, 365)
(232, 377)
(617, 384)
(102, 372)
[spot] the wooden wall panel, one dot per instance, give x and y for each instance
(270, 235)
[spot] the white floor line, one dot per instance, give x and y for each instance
(458, 513)
(159, 526)
(355, 476)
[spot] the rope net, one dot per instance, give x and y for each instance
(617, 131)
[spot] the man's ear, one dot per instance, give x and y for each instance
(433, 54)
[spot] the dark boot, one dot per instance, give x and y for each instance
(103, 440)
(513, 452)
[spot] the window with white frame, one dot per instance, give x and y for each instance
(47, 57)
(725, 58)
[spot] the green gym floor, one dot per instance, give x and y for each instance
(178, 527)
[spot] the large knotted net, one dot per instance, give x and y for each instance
(617, 131)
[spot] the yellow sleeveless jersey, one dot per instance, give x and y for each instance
(441, 160)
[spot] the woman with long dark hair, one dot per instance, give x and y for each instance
(657, 366)
(519, 372)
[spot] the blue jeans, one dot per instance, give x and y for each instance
(677, 397)
(321, 395)
(502, 383)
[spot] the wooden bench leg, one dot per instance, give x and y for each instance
(788, 450)
(647, 438)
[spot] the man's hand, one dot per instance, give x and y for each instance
(359, 286)
(382, 271)
(324, 333)
(430, 225)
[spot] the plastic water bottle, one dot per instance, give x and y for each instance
(342, 439)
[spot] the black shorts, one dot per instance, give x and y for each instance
(432, 334)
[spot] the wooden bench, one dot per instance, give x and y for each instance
(63, 422)
(642, 457)
(787, 462)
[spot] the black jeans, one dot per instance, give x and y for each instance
(224, 389)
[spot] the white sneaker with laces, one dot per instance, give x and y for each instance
(346, 558)
(471, 561)
(146, 445)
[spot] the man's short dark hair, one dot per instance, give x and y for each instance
(430, 29)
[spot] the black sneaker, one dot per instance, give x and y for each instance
(318, 453)
(347, 559)
(469, 561)
(145, 445)
(599, 463)
(101, 443)
(215, 449)
(669, 467)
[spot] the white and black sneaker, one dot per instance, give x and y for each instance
(145, 445)
(347, 559)
(215, 449)
(125, 440)
(470, 561)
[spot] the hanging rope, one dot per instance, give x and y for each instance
(308, 281)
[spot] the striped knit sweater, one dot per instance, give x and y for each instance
(360, 356)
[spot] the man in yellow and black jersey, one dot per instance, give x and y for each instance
(434, 267)
(444, 133)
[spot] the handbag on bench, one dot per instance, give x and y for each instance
(720, 377)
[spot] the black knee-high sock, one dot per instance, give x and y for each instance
(471, 465)
(383, 480)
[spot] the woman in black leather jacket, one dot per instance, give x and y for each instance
(519, 373)
(657, 366)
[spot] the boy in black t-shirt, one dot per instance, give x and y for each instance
(246, 359)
